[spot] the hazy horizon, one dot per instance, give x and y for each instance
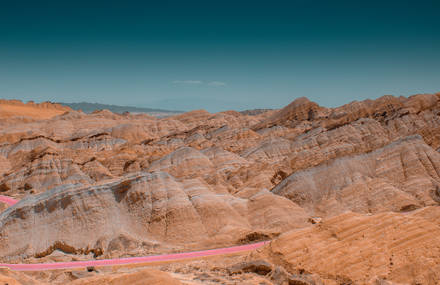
(217, 55)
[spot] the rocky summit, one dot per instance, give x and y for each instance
(346, 195)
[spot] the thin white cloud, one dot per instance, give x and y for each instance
(187, 82)
(217, 83)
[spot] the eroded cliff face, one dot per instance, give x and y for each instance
(106, 185)
(139, 214)
(403, 175)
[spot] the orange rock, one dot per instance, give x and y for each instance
(352, 248)
(45, 110)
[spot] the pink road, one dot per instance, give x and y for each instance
(7, 200)
(133, 260)
(128, 260)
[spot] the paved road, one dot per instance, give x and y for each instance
(129, 260)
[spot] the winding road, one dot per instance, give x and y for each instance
(128, 260)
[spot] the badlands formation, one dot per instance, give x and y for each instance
(346, 195)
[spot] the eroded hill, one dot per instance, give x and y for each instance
(106, 185)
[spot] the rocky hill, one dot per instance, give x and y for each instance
(348, 195)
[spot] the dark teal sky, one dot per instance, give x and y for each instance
(218, 55)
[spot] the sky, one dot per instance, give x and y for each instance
(218, 55)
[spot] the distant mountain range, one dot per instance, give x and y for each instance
(90, 107)
(253, 112)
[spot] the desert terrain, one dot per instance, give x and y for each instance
(346, 195)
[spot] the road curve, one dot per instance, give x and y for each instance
(128, 260)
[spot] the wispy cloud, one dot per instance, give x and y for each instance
(199, 82)
(217, 83)
(187, 82)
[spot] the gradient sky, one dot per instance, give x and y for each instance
(218, 55)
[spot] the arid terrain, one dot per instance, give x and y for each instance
(346, 195)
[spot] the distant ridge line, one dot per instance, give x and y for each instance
(87, 107)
